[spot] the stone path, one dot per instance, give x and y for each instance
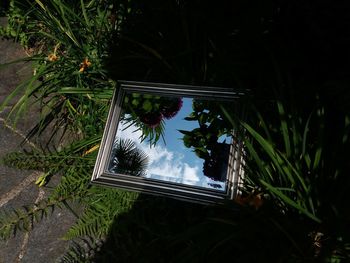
(43, 243)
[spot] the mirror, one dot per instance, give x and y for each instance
(171, 140)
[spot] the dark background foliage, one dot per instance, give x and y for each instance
(294, 46)
(295, 51)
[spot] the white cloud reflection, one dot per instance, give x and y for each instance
(163, 164)
(167, 165)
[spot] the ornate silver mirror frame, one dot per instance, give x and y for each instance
(136, 135)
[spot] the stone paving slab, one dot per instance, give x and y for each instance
(52, 246)
(9, 177)
(11, 249)
(43, 243)
(10, 75)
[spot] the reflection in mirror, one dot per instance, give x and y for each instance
(173, 139)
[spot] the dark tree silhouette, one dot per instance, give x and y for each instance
(128, 159)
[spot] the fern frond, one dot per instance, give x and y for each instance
(81, 251)
(77, 253)
(102, 207)
(23, 219)
(55, 162)
(29, 160)
(74, 181)
(73, 186)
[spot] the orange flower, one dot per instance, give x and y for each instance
(253, 200)
(84, 65)
(52, 57)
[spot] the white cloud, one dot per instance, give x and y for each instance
(190, 173)
(166, 170)
(167, 165)
(163, 164)
(129, 133)
(157, 153)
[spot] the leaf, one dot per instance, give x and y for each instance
(135, 102)
(201, 152)
(147, 106)
(317, 158)
(265, 144)
(187, 141)
(307, 160)
(203, 117)
(306, 130)
(284, 128)
(289, 201)
(87, 21)
(191, 118)
(40, 4)
(258, 161)
(185, 132)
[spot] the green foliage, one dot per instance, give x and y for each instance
(24, 218)
(67, 56)
(212, 125)
(77, 253)
(16, 24)
(204, 140)
(289, 174)
(52, 162)
(147, 113)
(285, 162)
(67, 43)
(100, 205)
(81, 251)
(102, 208)
(73, 185)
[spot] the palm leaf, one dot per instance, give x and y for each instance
(127, 159)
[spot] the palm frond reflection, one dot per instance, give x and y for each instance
(128, 159)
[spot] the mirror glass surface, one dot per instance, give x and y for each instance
(173, 139)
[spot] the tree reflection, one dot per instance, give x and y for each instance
(128, 159)
(204, 140)
(147, 113)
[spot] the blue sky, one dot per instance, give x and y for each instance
(172, 161)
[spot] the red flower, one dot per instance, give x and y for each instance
(151, 119)
(171, 108)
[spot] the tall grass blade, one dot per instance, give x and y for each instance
(87, 21)
(284, 128)
(40, 4)
(317, 159)
(306, 130)
(289, 201)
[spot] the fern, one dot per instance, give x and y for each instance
(53, 162)
(102, 207)
(81, 251)
(78, 252)
(23, 219)
(27, 160)
(74, 184)
(66, 101)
